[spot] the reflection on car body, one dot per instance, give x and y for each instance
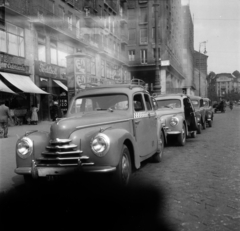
(177, 116)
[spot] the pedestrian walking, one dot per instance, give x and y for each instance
(34, 116)
(4, 115)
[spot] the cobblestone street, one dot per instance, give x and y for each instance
(201, 181)
(195, 187)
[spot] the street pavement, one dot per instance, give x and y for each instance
(195, 187)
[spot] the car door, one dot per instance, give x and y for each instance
(152, 122)
(142, 125)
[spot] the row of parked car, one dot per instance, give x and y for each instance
(111, 129)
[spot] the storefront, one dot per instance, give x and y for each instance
(50, 78)
(16, 87)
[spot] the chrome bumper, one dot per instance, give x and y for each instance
(55, 171)
(173, 132)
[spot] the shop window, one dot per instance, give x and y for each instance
(12, 40)
(41, 48)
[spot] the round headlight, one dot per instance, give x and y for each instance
(174, 121)
(100, 144)
(198, 119)
(24, 147)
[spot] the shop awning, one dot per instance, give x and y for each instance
(24, 83)
(59, 83)
(4, 88)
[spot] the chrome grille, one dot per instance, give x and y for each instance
(60, 152)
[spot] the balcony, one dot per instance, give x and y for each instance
(112, 5)
(20, 6)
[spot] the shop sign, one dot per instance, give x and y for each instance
(46, 70)
(13, 63)
(63, 102)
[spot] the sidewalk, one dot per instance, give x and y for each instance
(17, 131)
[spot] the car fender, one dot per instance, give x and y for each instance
(120, 137)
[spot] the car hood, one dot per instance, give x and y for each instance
(65, 126)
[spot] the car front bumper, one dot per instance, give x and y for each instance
(55, 171)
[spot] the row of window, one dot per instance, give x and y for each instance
(143, 39)
(143, 55)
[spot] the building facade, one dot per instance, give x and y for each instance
(164, 22)
(200, 73)
(48, 31)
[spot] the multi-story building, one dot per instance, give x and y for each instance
(174, 74)
(38, 36)
(200, 73)
(225, 85)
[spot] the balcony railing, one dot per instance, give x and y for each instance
(19, 6)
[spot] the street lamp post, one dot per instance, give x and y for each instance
(199, 67)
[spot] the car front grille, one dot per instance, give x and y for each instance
(61, 152)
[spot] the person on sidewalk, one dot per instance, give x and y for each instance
(55, 111)
(34, 117)
(4, 115)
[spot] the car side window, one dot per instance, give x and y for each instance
(138, 102)
(148, 102)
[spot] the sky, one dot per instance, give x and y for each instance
(218, 23)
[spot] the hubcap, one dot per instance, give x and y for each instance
(125, 168)
(183, 134)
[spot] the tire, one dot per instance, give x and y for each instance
(210, 123)
(199, 129)
(124, 169)
(157, 157)
(193, 134)
(204, 125)
(182, 136)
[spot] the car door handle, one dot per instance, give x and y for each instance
(137, 121)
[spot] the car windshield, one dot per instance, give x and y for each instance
(104, 102)
(169, 103)
(195, 103)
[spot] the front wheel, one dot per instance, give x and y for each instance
(124, 169)
(182, 136)
(210, 123)
(199, 129)
(194, 134)
(157, 157)
(204, 125)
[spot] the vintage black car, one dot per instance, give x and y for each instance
(220, 107)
